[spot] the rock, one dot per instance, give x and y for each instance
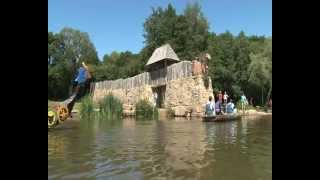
(180, 111)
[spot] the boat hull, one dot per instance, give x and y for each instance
(220, 118)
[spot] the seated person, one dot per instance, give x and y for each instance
(230, 107)
(218, 107)
(210, 108)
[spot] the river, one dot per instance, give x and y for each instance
(164, 149)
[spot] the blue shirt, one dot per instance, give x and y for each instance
(243, 98)
(210, 109)
(81, 78)
(230, 107)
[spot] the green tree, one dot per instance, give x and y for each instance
(187, 33)
(197, 31)
(78, 47)
(65, 52)
(260, 69)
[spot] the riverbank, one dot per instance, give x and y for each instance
(255, 112)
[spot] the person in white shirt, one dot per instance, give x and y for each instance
(225, 97)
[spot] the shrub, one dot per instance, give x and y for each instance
(144, 110)
(170, 112)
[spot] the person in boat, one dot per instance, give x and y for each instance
(230, 107)
(218, 107)
(210, 107)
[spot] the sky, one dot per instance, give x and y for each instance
(117, 25)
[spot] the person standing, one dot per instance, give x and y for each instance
(218, 108)
(225, 97)
(243, 102)
(220, 97)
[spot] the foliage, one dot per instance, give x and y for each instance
(110, 107)
(206, 81)
(187, 33)
(66, 50)
(144, 110)
(86, 108)
(170, 112)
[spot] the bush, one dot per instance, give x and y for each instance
(145, 110)
(110, 107)
(170, 112)
(206, 81)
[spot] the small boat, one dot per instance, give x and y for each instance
(218, 118)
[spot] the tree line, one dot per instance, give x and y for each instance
(239, 63)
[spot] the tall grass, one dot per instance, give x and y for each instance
(110, 107)
(144, 110)
(86, 107)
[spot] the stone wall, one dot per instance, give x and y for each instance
(185, 91)
(187, 95)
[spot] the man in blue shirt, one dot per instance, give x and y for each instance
(79, 82)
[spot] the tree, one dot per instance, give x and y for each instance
(260, 69)
(65, 52)
(222, 64)
(242, 60)
(187, 33)
(197, 31)
(78, 47)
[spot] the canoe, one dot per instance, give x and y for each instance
(218, 118)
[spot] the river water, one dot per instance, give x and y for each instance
(164, 149)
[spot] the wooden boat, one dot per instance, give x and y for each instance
(219, 118)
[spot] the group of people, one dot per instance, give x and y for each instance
(224, 104)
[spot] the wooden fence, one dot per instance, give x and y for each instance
(155, 78)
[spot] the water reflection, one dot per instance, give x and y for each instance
(169, 149)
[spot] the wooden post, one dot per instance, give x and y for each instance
(165, 70)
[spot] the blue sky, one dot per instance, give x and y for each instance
(117, 25)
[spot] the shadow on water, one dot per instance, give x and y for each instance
(175, 148)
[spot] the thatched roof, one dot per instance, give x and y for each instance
(161, 53)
